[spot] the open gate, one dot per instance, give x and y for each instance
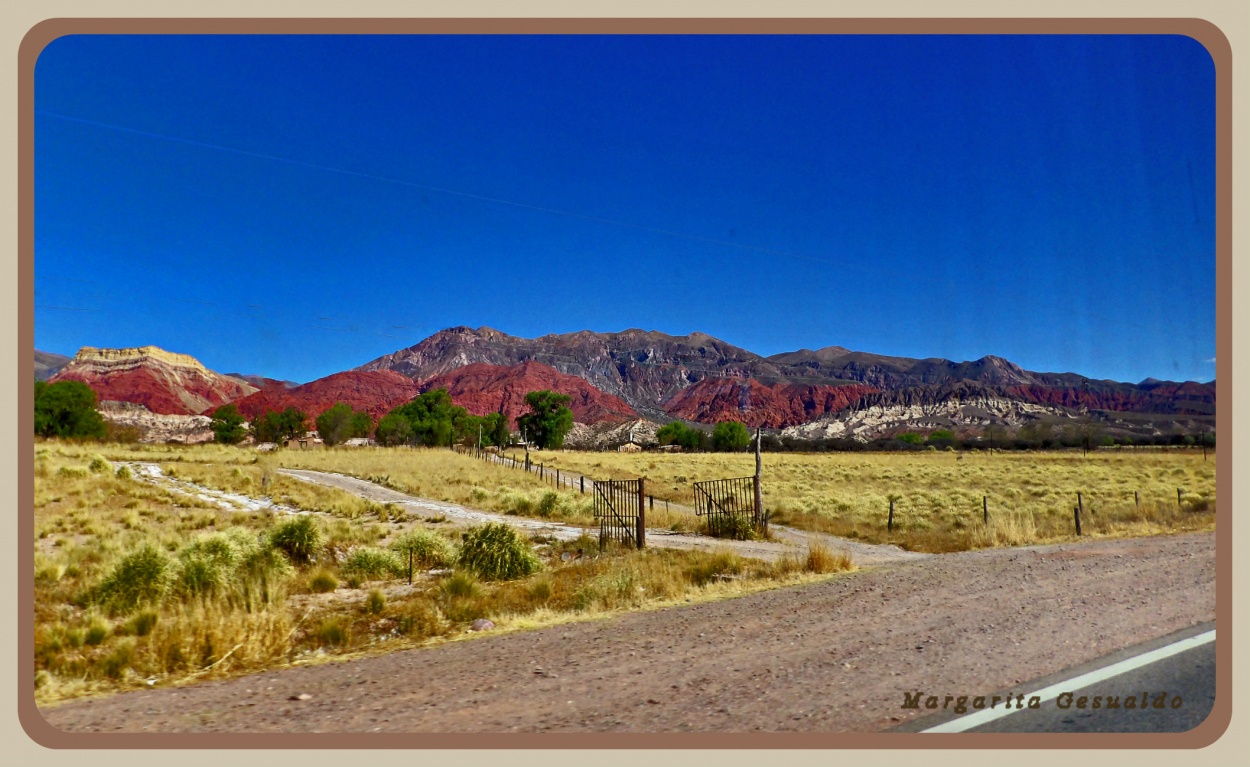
(619, 509)
(730, 506)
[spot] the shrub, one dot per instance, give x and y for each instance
(298, 538)
(334, 631)
(821, 560)
(737, 527)
(97, 631)
(372, 563)
(494, 551)
(428, 549)
(123, 472)
(98, 465)
(459, 585)
(140, 625)
(730, 436)
(375, 602)
(715, 564)
(141, 577)
(118, 661)
(547, 504)
(67, 409)
(322, 583)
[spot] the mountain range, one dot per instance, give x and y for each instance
(613, 378)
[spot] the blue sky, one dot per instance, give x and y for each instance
(296, 206)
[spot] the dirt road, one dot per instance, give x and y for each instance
(789, 540)
(833, 656)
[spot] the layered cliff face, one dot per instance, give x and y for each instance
(482, 389)
(960, 406)
(756, 404)
(163, 382)
(376, 393)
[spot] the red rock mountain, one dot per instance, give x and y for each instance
(756, 404)
(163, 382)
(481, 389)
(650, 371)
(375, 392)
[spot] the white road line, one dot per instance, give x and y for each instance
(979, 718)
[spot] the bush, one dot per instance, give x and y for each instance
(428, 549)
(718, 563)
(821, 560)
(334, 631)
(737, 527)
(372, 563)
(298, 538)
(143, 576)
(459, 585)
(375, 602)
(323, 583)
(494, 551)
(227, 425)
(98, 465)
(123, 472)
(547, 504)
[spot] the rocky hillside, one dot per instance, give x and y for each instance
(155, 427)
(163, 382)
(481, 388)
(643, 368)
(700, 378)
(756, 404)
(375, 392)
(48, 364)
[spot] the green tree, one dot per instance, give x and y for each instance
(227, 425)
(730, 436)
(911, 438)
(942, 438)
(272, 426)
(678, 433)
(432, 420)
(340, 423)
(549, 418)
(394, 429)
(67, 409)
(498, 429)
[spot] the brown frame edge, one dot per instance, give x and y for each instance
(1204, 32)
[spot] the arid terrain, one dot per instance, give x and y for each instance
(833, 656)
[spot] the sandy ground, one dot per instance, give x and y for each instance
(832, 656)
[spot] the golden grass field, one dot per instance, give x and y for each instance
(938, 495)
(228, 604)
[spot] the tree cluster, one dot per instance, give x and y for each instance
(431, 419)
(678, 433)
(67, 409)
(340, 423)
(274, 426)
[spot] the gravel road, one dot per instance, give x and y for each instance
(832, 656)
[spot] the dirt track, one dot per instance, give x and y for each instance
(789, 540)
(834, 656)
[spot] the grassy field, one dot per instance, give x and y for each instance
(938, 495)
(136, 586)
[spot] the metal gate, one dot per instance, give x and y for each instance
(729, 505)
(619, 509)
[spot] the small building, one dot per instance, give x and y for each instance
(631, 445)
(360, 442)
(309, 440)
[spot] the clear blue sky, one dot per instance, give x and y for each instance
(297, 206)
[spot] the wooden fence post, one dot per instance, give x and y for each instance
(1178, 499)
(1076, 512)
(889, 524)
(1080, 503)
(985, 508)
(583, 485)
(760, 520)
(1136, 498)
(642, 516)
(409, 565)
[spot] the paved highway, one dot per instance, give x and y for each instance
(1182, 683)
